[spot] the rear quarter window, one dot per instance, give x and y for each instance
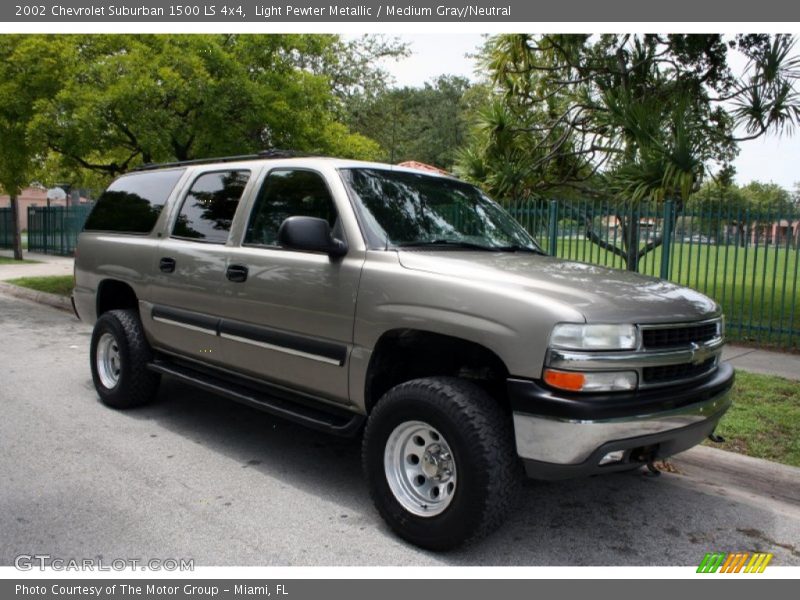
(133, 202)
(207, 211)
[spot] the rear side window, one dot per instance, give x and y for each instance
(132, 203)
(288, 193)
(208, 209)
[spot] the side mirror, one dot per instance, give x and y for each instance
(310, 234)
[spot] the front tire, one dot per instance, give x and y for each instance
(439, 457)
(119, 355)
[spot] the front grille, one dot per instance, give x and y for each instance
(672, 337)
(669, 373)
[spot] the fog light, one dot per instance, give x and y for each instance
(612, 457)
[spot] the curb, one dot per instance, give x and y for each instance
(52, 300)
(781, 482)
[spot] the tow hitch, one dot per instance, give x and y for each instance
(653, 469)
(647, 455)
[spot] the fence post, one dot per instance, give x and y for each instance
(552, 228)
(63, 227)
(666, 236)
(31, 219)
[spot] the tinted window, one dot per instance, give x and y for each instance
(285, 194)
(208, 209)
(132, 203)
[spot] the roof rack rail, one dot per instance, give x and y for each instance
(268, 153)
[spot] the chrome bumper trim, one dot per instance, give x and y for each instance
(570, 442)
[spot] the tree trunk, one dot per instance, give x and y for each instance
(632, 262)
(630, 240)
(17, 237)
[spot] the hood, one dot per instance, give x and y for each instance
(601, 294)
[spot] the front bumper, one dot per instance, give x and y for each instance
(561, 436)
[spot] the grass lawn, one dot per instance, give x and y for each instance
(4, 260)
(56, 284)
(764, 420)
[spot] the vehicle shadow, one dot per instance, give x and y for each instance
(621, 519)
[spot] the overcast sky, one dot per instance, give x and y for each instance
(767, 159)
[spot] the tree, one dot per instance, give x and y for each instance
(427, 124)
(352, 66)
(28, 73)
(721, 204)
(768, 198)
(768, 202)
(87, 108)
(741, 207)
(131, 99)
(627, 118)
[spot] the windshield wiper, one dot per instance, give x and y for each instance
(518, 248)
(469, 246)
(444, 242)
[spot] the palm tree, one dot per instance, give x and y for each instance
(625, 118)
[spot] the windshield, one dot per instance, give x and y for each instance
(399, 208)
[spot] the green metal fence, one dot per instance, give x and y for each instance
(747, 260)
(55, 229)
(6, 229)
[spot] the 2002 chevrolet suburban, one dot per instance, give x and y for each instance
(366, 298)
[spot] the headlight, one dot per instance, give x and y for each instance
(589, 381)
(582, 336)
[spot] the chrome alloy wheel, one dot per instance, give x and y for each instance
(420, 468)
(108, 360)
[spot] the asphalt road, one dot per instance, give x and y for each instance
(196, 476)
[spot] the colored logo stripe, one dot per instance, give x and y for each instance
(734, 562)
(758, 563)
(711, 562)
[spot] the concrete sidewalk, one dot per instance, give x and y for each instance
(767, 362)
(45, 266)
(745, 358)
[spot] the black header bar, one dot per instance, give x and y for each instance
(414, 11)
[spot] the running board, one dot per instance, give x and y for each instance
(271, 399)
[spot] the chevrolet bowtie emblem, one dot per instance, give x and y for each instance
(699, 354)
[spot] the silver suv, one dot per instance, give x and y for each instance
(404, 306)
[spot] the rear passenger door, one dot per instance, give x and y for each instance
(291, 320)
(190, 266)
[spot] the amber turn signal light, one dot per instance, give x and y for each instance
(564, 380)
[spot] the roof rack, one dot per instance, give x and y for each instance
(269, 153)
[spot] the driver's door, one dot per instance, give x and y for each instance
(290, 320)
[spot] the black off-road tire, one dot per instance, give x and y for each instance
(136, 384)
(480, 434)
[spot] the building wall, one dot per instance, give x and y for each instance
(776, 233)
(32, 196)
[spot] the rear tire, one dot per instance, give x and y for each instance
(119, 355)
(439, 457)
